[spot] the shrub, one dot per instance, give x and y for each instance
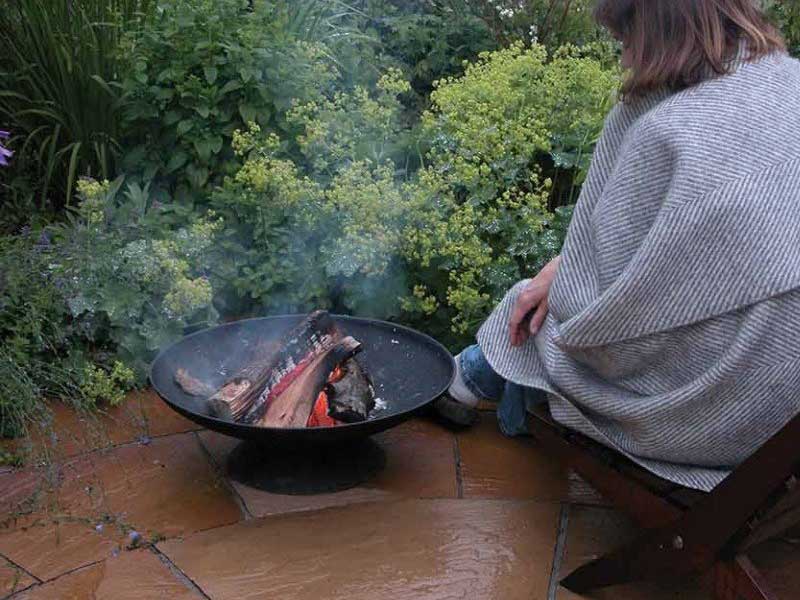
(132, 283)
(427, 39)
(43, 353)
(56, 62)
(86, 304)
(201, 70)
(349, 227)
(787, 16)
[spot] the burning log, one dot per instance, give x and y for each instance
(311, 339)
(350, 397)
(310, 379)
(293, 407)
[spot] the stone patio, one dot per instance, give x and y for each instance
(134, 505)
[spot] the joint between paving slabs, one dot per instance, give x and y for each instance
(180, 575)
(219, 471)
(21, 569)
(19, 592)
(558, 551)
(457, 459)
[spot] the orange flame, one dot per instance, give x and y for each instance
(319, 416)
(336, 374)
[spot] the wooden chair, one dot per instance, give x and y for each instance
(686, 532)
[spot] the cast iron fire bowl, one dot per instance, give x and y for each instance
(408, 370)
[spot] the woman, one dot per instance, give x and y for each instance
(669, 327)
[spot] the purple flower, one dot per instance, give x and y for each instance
(5, 153)
(44, 239)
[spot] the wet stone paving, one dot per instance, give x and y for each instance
(135, 504)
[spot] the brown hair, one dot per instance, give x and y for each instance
(678, 43)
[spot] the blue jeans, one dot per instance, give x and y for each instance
(512, 399)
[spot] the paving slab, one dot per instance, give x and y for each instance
(420, 463)
(163, 489)
(167, 487)
(49, 547)
(496, 466)
(130, 576)
(779, 563)
(411, 549)
(64, 431)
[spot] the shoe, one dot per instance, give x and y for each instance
(453, 413)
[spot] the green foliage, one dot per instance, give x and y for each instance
(42, 353)
(56, 59)
(349, 227)
(552, 23)
(354, 126)
(131, 281)
(87, 303)
(282, 156)
(100, 385)
(428, 40)
(201, 70)
(786, 14)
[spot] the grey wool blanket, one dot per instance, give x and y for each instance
(674, 327)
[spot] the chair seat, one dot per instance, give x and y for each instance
(540, 417)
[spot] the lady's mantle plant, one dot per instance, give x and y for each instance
(350, 226)
(130, 280)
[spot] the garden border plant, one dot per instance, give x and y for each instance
(287, 157)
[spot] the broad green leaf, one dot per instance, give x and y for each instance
(177, 160)
(171, 117)
(211, 74)
(231, 86)
(185, 126)
(248, 112)
(204, 149)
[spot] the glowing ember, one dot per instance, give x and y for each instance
(336, 374)
(319, 417)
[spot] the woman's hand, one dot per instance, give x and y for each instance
(531, 306)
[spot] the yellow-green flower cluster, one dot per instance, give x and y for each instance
(464, 227)
(99, 385)
(420, 301)
(511, 105)
(353, 125)
(93, 199)
(243, 142)
(368, 209)
(186, 296)
(393, 82)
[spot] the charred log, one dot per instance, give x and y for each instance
(192, 385)
(351, 398)
(293, 406)
(301, 346)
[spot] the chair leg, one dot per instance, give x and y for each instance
(738, 579)
(660, 554)
(599, 573)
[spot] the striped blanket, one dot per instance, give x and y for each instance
(674, 327)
